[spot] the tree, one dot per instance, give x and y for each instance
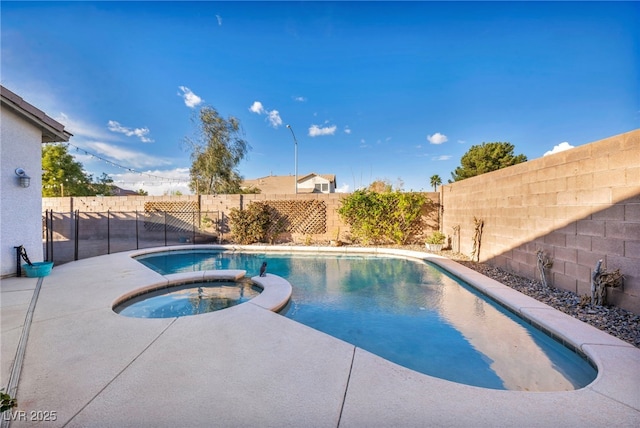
(251, 190)
(380, 186)
(485, 158)
(62, 175)
(103, 185)
(435, 181)
(142, 192)
(215, 153)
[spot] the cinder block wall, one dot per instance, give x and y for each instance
(225, 203)
(577, 206)
(107, 203)
(220, 203)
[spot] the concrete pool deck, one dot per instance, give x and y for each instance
(248, 366)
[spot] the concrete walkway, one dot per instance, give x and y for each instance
(248, 366)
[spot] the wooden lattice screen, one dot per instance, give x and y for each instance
(305, 217)
(178, 215)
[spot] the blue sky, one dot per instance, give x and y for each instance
(372, 90)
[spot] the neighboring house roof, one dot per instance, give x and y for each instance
(119, 191)
(272, 184)
(278, 184)
(52, 130)
(331, 178)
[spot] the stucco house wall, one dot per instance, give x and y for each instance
(20, 212)
(309, 183)
(23, 129)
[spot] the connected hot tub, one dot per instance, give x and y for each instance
(193, 298)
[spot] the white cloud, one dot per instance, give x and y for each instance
(299, 99)
(347, 130)
(125, 157)
(343, 189)
(363, 144)
(437, 138)
(219, 18)
(442, 158)
(80, 129)
(559, 148)
(156, 182)
(274, 118)
(257, 107)
(138, 132)
(191, 100)
(316, 131)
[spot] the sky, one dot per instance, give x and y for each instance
(395, 91)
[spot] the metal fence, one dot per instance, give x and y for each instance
(79, 235)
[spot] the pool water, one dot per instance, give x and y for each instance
(188, 299)
(409, 312)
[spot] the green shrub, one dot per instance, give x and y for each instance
(378, 218)
(436, 237)
(7, 401)
(252, 224)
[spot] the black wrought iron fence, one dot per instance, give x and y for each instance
(79, 235)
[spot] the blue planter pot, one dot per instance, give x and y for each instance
(38, 269)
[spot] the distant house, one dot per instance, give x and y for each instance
(280, 184)
(119, 191)
(23, 129)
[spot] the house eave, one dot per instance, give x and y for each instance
(52, 130)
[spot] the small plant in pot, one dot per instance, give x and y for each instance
(435, 241)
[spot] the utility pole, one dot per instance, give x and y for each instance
(295, 157)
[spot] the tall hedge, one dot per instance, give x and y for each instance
(380, 218)
(250, 225)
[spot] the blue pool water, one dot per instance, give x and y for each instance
(409, 312)
(188, 299)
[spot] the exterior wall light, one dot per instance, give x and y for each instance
(23, 179)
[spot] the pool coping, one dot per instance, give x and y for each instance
(571, 332)
(116, 369)
(275, 294)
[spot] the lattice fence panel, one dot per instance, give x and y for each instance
(177, 215)
(421, 227)
(305, 217)
(416, 231)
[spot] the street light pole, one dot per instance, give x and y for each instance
(295, 159)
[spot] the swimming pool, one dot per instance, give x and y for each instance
(409, 312)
